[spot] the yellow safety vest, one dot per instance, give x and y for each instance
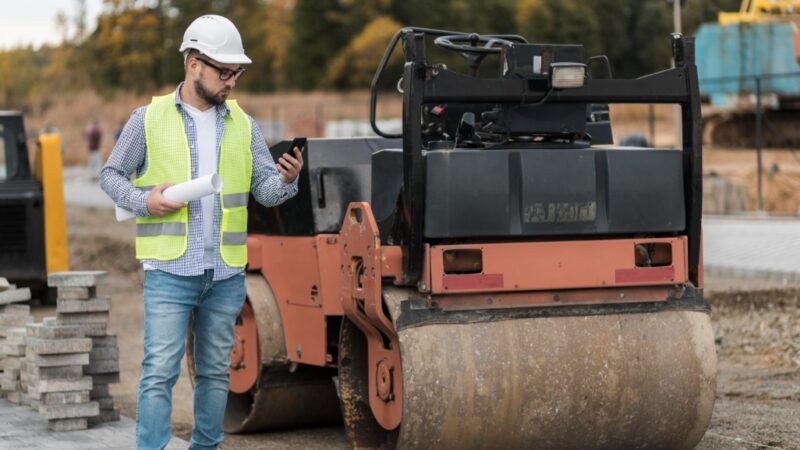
(169, 161)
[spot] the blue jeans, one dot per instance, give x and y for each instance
(169, 301)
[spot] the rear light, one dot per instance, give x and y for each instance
(463, 261)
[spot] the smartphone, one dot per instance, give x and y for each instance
(299, 142)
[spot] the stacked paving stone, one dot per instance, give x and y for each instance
(13, 354)
(54, 377)
(13, 318)
(79, 305)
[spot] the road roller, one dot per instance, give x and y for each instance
(494, 275)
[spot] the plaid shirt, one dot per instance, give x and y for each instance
(130, 155)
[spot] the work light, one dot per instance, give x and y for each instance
(567, 75)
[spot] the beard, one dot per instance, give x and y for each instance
(210, 97)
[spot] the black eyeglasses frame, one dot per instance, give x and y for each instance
(224, 74)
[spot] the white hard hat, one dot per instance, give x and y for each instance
(216, 37)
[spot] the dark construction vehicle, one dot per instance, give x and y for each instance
(33, 232)
(497, 276)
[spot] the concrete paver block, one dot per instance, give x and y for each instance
(7, 349)
(76, 293)
(57, 346)
(25, 429)
(69, 359)
(93, 329)
(12, 363)
(102, 366)
(105, 378)
(15, 320)
(69, 411)
(99, 390)
(83, 318)
(63, 398)
(51, 373)
(75, 278)
(16, 310)
(67, 424)
(45, 386)
(11, 373)
(9, 385)
(103, 353)
(15, 295)
(109, 340)
(83, 306)
(105, 403)
(105, 415)
(15, 335)
(40, 330)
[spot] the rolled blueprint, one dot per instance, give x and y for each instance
(184, 192)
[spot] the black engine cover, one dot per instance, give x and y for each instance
(539, 192)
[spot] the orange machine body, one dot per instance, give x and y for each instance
(305, 275)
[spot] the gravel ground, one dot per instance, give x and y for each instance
(757, 328)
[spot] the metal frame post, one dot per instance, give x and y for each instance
(759, 143)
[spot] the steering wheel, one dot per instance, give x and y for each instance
(468, 46)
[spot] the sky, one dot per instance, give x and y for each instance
(24, 22)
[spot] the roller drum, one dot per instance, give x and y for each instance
(614, 381)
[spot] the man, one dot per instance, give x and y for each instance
(93, 136)
(194, 255)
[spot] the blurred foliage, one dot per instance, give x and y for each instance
(354, 66)
(326, 44)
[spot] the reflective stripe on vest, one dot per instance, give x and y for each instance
(168, 160)
(161, 229)
(235, 200)
(234, 238)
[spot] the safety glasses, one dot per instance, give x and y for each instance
(224, 74)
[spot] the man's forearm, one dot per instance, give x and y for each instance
(272, 191)
(117, 185)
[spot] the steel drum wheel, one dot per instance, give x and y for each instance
(576, 382)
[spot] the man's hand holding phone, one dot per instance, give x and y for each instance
(289, 166)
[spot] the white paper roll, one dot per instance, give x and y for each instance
(183, 192)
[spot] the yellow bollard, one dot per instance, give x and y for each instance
(49, 172)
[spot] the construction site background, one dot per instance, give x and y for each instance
(730, 174)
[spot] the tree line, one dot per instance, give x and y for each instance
(326, 44)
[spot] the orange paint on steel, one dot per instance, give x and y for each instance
(362, 301)
(254, 253)
(503, 300)
(291, 266)
(244, 355)
(392, 262)
(329, 252)
(531, 266)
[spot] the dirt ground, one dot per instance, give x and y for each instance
(757, 330)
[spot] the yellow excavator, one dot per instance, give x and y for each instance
(33, 230)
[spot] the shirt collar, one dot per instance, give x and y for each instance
(222, 109)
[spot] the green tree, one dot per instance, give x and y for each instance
(124, 50)
(316, 38)
(354, 66)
